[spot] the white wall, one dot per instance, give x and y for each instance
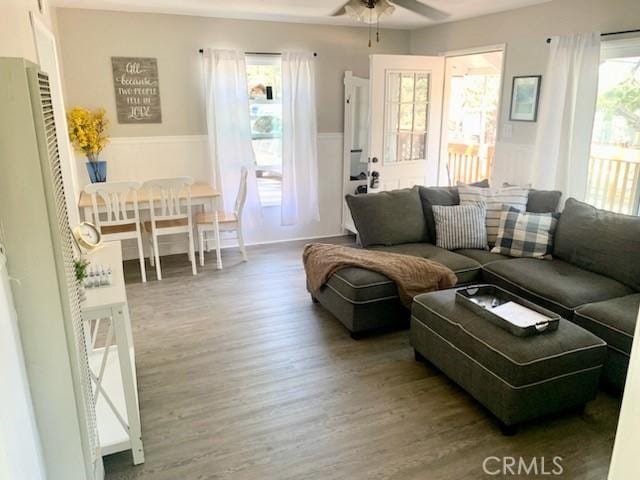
(624, 461)
(88, 38)
(20, 452)
(524, 31)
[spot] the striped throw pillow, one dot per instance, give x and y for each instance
(494, 198)
(460, 226)
(526, 234)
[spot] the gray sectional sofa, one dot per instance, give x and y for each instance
(593, 279)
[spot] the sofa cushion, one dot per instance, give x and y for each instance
(483, 257)
(445, 196)
(614, 321)
(466, 269)
(358, 285)
(388, 218)
(554, 284)
(600, 241)
(543, 201)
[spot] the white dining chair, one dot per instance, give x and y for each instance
(170, 211)
(224, 222)
(120, 218)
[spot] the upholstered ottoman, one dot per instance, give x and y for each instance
(515, 378)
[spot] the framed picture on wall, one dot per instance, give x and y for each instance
(525, 94)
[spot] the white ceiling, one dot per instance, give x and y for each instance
(300, 11)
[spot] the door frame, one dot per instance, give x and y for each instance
(49, 55)
(500, 47)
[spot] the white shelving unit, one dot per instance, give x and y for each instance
(112, 359)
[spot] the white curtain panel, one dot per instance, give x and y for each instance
(569, 91)
(229, 127)
(300, 140)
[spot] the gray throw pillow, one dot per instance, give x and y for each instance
(446, 196)
(460, 226)
(388, 218)
(543, 201)
(600, 241)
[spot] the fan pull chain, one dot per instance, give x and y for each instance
(370, 10)
(378, 30)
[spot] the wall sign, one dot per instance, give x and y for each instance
(135, 81)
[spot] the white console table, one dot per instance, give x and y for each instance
(112, 358)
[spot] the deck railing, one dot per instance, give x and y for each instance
(469, 163)
(614, 178)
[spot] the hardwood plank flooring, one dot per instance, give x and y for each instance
(241, 377)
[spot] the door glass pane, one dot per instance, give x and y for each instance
(404, 146)
(420, 118)
(418, 146)
(406, 114)
(422, 88)
(614, 166)
(407, 87)
(393, 92)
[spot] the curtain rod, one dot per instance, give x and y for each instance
(622, 32)
(260, 53)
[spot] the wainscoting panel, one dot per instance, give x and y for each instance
(513, 164)
(142, 158)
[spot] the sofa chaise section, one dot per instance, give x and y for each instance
(614, 321)
(366, 301)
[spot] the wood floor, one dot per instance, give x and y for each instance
(241, 377)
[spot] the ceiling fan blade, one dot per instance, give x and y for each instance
(422, 9)
(339, 11)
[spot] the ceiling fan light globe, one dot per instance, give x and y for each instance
(360, 12)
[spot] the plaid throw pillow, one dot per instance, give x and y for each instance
(525, 234)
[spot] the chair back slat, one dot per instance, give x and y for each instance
(169, 198)
(120, 200)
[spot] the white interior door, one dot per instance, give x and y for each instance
(356, 141)
(406, 111)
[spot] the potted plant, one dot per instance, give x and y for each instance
(88, 134)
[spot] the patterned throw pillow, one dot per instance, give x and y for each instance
(526, 234)
(494, 198)
(460, 226)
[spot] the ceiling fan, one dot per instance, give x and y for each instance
(386, 8)
(371, 11)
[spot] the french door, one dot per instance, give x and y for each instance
(406, 110)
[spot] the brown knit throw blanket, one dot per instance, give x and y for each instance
(412, 275)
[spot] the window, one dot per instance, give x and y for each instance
(406, 116)
(264, 78)
(614, 167)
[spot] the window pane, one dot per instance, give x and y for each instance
(264, 79)
(422, 88)
(614, 168)
(407, 87)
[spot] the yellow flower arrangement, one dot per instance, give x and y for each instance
(88, 131)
